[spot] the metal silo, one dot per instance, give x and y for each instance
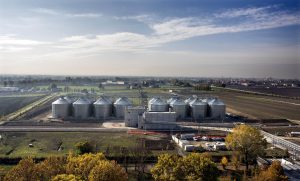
(180, 107)
(171, 99)
(103, 108)
(82, 108)
(150, 102)
(217, 108)
(198, 109)
(190, 99)
(120, 105)
(159, 105)
(60, 108)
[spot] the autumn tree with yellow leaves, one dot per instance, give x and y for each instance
(194, 166)
(73, 168)
(247, 141)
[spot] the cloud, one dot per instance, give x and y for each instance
(176, 29)
(165, 30)
(11, 43)
(53, 12)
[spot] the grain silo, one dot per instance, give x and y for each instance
(120, 105)
(190, 99)
(150, 102)
(60, 108)
(171, 99)
(103, 108)
(180, 107)
(159, 105)
(82, 108)
(198, 109)
(217, 109)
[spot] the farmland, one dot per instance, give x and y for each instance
(256, 106)
(9, 104)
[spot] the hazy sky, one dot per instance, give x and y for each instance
(218, 38)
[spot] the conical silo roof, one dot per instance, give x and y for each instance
(61, 100)
(190, 99)
(82, 101)
(159, 101)
(123, 101)
(216, 102)
(178, 102)
(197, 101)
(69, 99)
(103, 101)
(171, 99)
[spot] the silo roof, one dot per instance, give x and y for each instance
(197, 102)
(61, 100)
(159, 101)
(70, 100)
(103, 101)
(82, 101)
(178, 102)
(123, 101)
(216, 102)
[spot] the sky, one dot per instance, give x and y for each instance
(182, 38)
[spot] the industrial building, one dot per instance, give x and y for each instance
(158, 121)
(132, 115)
(160, 114)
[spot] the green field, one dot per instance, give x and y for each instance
(48, 143)
(9, 104)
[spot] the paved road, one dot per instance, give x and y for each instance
(58, 129)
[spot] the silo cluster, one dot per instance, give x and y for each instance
(84, 108)
(193, 107)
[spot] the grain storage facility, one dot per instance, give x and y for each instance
(120, 105)
(82, 108)
(103, 108)
(180, 107)
(159, 105)
(198, 109)
(217, 109)
(60, 108)
(132, 115)
(158, 121)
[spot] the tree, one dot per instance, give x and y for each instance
(24, 171)
(247, 141)
(196, 166)
(65, 177)
(224, 162)
(273, 173)
(165, 168)
(82, 165)
(235, 160)
(106, 170)
(84, 147)
(51, 167)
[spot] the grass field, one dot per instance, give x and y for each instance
(48, 143)
(9, 104)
